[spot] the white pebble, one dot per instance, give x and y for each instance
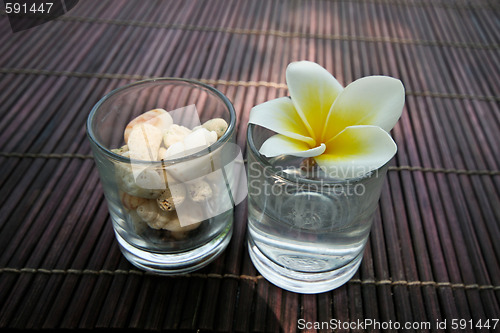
(199, 191)
(144, 142)
(158, 118)
(175, 133)
(218, 125)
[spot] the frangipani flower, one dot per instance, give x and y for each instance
(345, 130)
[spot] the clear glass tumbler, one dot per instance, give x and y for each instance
(306, 235)
(166, 242)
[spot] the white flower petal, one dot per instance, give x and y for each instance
(371, 100)
(282, 145)
(279, 115)
(357, 150)
(313, 90)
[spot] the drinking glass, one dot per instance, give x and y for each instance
(203, 226)
(306, 235)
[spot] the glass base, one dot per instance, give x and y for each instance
(301, 282)
(175, 263)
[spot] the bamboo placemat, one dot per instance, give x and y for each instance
(434, 251)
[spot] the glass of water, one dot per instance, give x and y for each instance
(173, 215)
(306, 231)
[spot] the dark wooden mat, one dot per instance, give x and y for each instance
(434, 250)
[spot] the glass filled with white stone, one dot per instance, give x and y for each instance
(169, 169)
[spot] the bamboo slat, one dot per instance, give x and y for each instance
(433, 253)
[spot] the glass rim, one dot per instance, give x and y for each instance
(283, 176)
(223, 139)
